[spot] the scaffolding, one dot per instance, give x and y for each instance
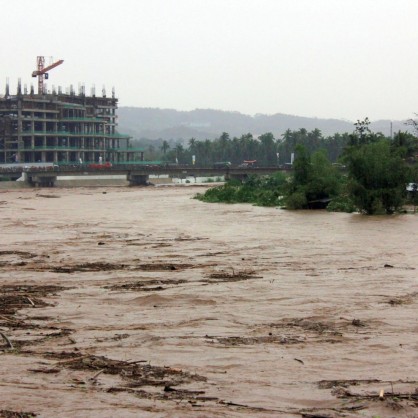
(70, 128)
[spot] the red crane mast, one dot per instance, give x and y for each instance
(42, 71)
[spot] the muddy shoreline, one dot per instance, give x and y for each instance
(146, 302)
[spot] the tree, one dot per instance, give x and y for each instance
(268, 149)
(414, 124)
(378, 177)
(301, 166)
(192, 145)
(246, 147)
(324, 180)
(165, 147)
(314, 178)
(362, 131)
(222, 147)
(377, 172)
(405, 144)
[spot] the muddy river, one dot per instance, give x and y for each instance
(144, 302)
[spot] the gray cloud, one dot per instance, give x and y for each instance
(341, 59)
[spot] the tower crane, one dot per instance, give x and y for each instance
(42, 71)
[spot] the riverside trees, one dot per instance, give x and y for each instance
(374, 180)
(314, 179)
(376, 170)
(266, 149)
(377, 178)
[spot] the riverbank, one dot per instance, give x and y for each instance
(110, 181)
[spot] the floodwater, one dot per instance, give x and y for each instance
(128, 302)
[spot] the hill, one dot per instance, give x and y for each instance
(154, 123)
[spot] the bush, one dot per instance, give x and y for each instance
(261, 191)
(341, 204)
(296, 200)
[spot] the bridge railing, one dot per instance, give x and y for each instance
(143, 167)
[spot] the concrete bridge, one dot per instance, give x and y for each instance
(135, 174)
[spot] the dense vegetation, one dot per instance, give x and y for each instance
(259, 190)
(376, 172)
(266, 149)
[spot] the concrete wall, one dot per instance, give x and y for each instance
(91, 183)
(82, 182)
(6, 185)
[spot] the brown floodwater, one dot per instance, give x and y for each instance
(127, 302)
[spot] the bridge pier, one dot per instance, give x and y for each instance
(42, 181)
(240, 177)
(137, 179)
(136, 175)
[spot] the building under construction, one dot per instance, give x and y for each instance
(61, 128)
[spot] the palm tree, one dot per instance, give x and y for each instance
(165, 147)
(192, 145)
(223, 143)
(268, 149)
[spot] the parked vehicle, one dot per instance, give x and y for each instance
(248, 164)
(103, 166)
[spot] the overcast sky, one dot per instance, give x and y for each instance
(344, 59)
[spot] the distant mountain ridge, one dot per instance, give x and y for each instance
(170, 124)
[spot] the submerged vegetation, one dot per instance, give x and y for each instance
(258, 190)
(371, 177)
